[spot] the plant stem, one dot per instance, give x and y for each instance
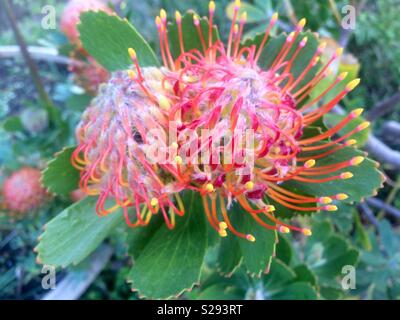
(335, 11)
(385, 107)
(25, 53)
(390, 197)
(377, 203)
(367, 212)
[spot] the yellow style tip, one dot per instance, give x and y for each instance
(154, 202)
(222, 233)
(357, 160)
(352, 84)
(284, 229)
(290, 36)
(237, 4)
(363, 125)
(338, 52)
(163, 102)
(132, 53)
(163, 14)
(325, 200)
(158, 22)
(243, 17)
(357, 112)
(303, 41)
(209, 187)
(249, 185)
(331, 208)
(275, 17)
(223, 225)
(250, 237)
(309, 163)
(306, 232)
(174, 145)
(211, 6)
(178, 160)
(131, 74)
(351, 142)
(270, 208)
(321, 46)
(302, 23)
(346, 175)
(178, 16)
(341, 196)
(343, 76)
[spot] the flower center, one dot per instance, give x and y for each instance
(235, 102)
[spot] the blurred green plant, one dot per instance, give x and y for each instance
(298, 269)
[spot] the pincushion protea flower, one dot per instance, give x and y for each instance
(220, 90)
(70, 16)
(22, 191)
(88, 74)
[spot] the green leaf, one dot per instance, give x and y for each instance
(332, 119)
(107, 39)
(74, 233)
(171, 261)
(326, 253)
(279, 276)
(220, 292)
(229, 255)
(312, 131)
(254, 14)
(216, 287)
(13, 124)
(365, 182)
(191, 39)
(360, 234)
(334, 265)
(297, 291)
(343, 217)
(284, 251)
(304, 274)
(330, 293)
(387, 237)
(274, 45)
(281, 283)
(60, 177)
(256, 255)
(137, 238)
(352, 73)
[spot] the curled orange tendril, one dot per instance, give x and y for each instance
(221, 89)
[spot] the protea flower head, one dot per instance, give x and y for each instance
(77, 195)
(70, 16)
(206, 96)
(113, 136)
(23, 192)
(89, 74)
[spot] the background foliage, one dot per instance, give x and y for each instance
(365, 236)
